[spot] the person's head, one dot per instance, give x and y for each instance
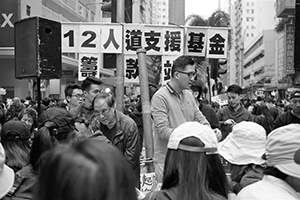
(216, 106)
(56, 125)
(91, 86)
(74, 95)
(14, 111)
(104, 106)
(295, 102)
(183, 72)
(281, 146)
(15, 138)
(234, 95)
(245, 144)
(7, 175)
(88, 170)
(46, 101)
(190, 146)
(197, 91)
(29, 116)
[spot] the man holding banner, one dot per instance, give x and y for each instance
(172, 105)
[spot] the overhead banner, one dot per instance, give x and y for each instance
(169, 42)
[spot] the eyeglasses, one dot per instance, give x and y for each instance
(102, 112)
(295, 101)
(190, 74)
(78, 96)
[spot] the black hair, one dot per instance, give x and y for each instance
(86, 84)
(69, 89)
(180, 63)
(273, 171)
(46, 101)
(235, 89)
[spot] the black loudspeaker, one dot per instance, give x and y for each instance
(297, 37)
(37, 48)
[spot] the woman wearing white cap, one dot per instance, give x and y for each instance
(7, 175)
(243, 149)
(193, 170)
(282, 175)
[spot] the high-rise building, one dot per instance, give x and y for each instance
(248, 18)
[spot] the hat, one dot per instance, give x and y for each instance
(282, 143)
(7, 175)
(15, 130)
(193, 129)
(59, 116)
(295, 94)
(245, 144)
(297, 156)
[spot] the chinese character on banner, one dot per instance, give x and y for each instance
(111, 38)
(88, 66)
(217, 42)
(153, 42)
(167, 62)
(131, 69)
(70, 37)
(173, 41)
(195, 44)
(89, 38)
(134, 37)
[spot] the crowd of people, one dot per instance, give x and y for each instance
(82, 147)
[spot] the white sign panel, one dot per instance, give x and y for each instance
(131, 69)
(195, 43)
(133, 38)
(153, 42)
(173, 41)
(217, 42)
(70, 37)
(89, 38)
(111, 38)
(88, 65)
(166, 63)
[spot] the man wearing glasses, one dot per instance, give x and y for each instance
(91, 86)
(120, 129)
(291, 116)
(74, 96)
(171, 106)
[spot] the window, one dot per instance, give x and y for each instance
(28, 10)
(247, 34)
(252, 11)
(92, 16)
(163, 23)
(252, 34)
(247, 19)
(164, 16)
(164, 3)
(247, 11)
(163, 9)
(247, 3)
(247, 27)
(252, 18)
(252, 27)
(252, 3)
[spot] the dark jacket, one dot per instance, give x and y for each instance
(127, 140)
(285, 119)
(229, 113)
(210, 115)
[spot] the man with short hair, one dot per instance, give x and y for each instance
(91, 86)
(291, 116)
(120, 129)
(234, 113)
(74, 96)
(171, 106)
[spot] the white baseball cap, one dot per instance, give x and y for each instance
(7, 175)
(245, 144)
(281, 146)
(194, 129)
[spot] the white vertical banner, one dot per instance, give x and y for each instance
(111, 38)
(153, 40)
(70, 37)
(173, 41)
(89, 38)
(88, 65)
(133, 38)
(195, 42)
(217, 42)
(166, 64)
(131, 69)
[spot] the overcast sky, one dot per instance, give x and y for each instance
(204, 8)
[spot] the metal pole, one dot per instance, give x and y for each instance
(143, 75)
(120, 61)
(208, 80)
